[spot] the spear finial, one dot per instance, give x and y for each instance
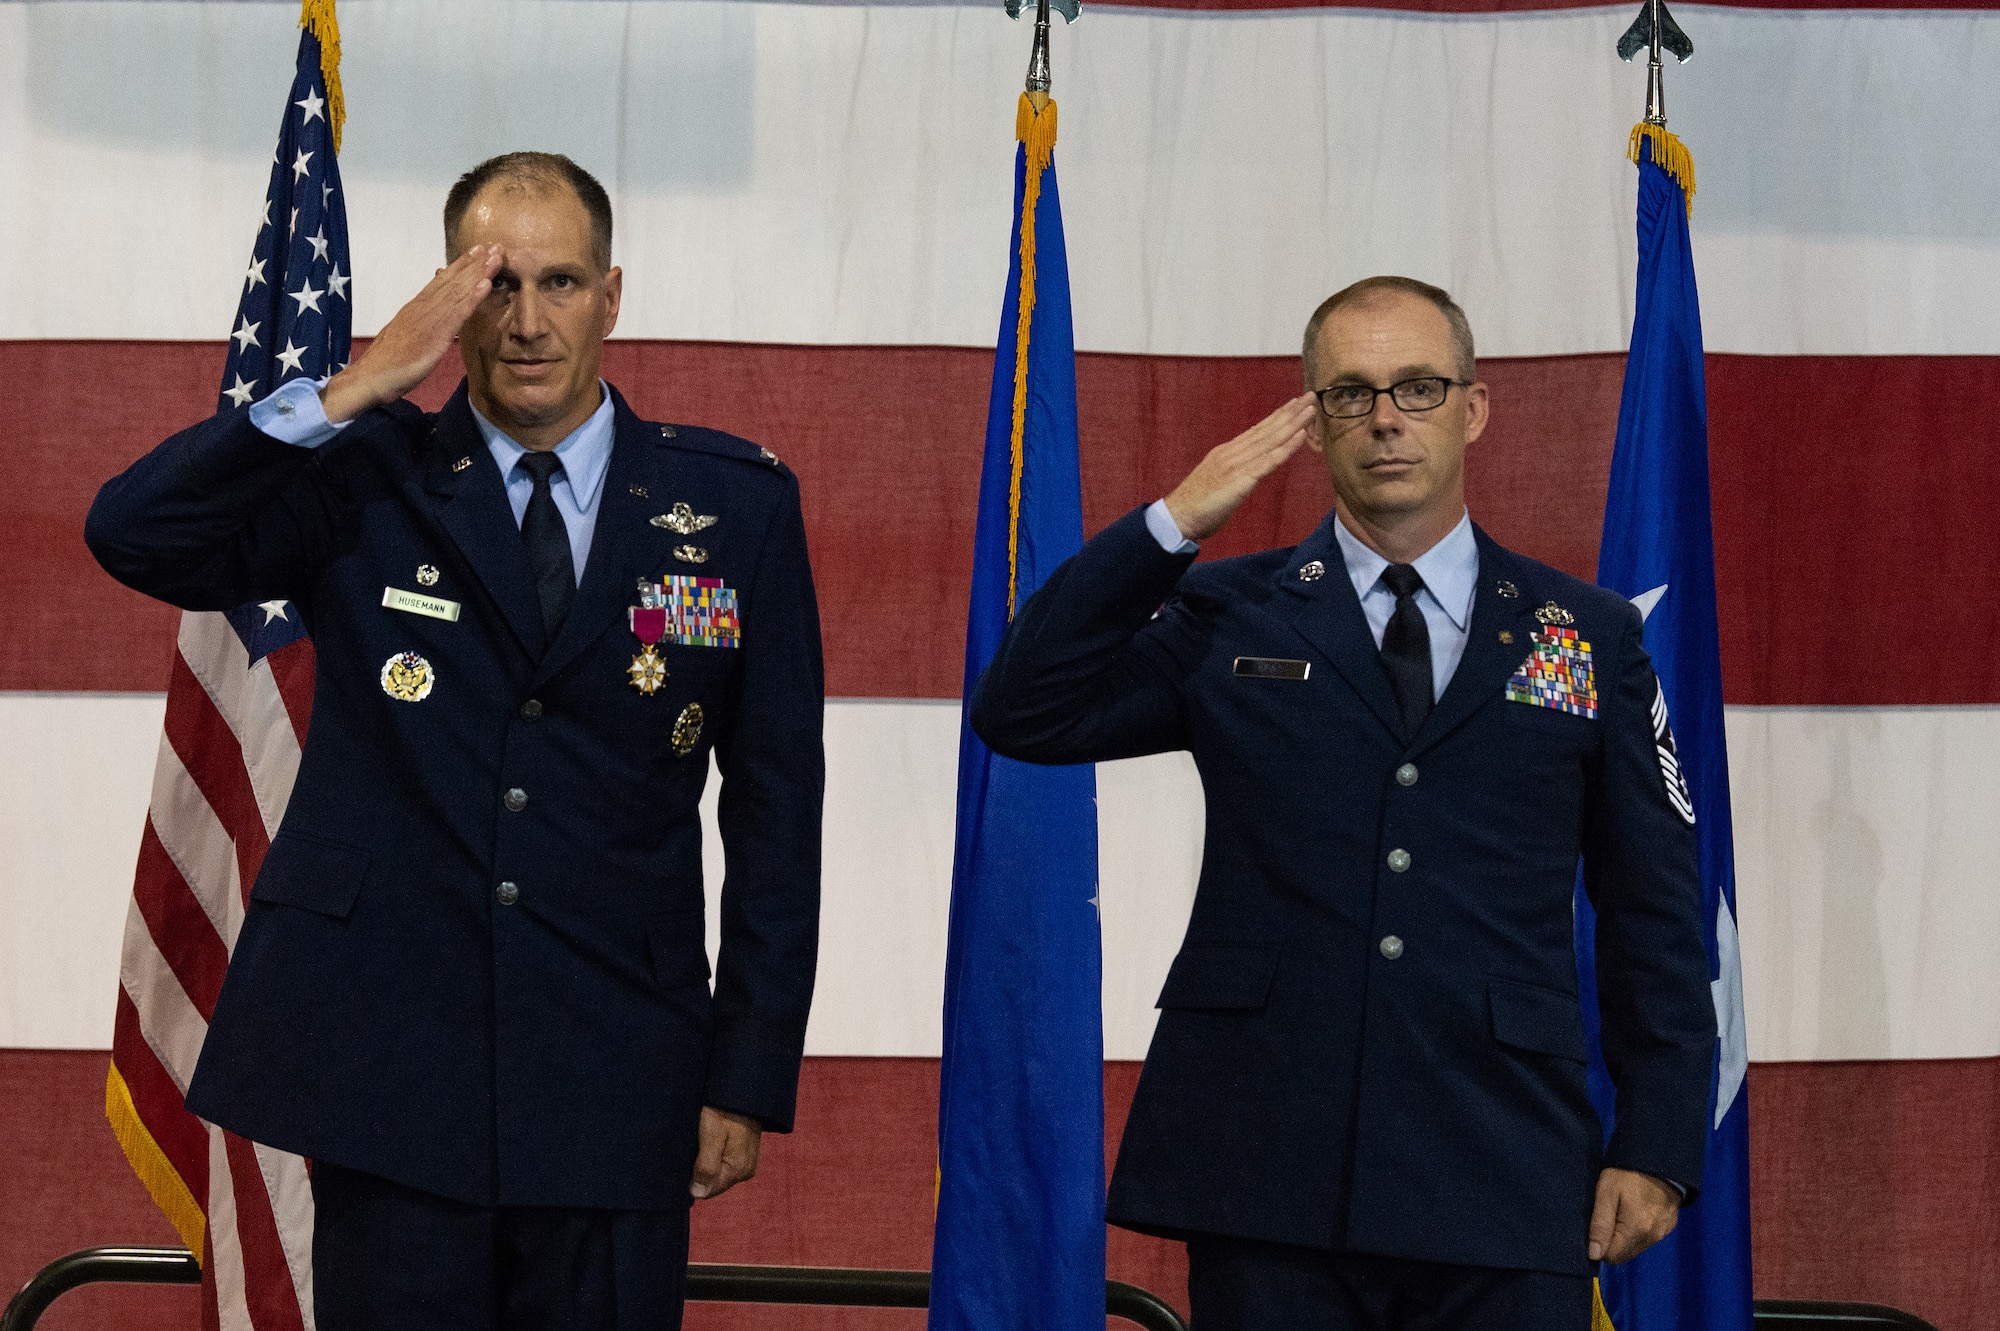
(1038, 58)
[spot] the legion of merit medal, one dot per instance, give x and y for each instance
(649, 624)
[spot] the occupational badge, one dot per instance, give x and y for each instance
(687, 729)
(1312, 572)
(1670, 762)
(649, 624)
(684, 521)
(1554, 614)
(691, 554)
(427, 575)
(1558, 673)
(407, 677)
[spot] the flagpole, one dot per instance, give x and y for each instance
(1656, 83)
(1038, 60)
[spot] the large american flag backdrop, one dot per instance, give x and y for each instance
(813, 209)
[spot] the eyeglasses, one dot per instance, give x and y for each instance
(1345, 401)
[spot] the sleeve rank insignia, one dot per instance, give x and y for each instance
(684, 521)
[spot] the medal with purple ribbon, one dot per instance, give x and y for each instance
(649, 624)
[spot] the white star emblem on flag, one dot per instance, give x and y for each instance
(312, 102)
(291, 357)
(246, 336)
(300, 164)
(241, 393)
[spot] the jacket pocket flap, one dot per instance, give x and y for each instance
(1542, 1021)
(1227, 976)
(311, 873)
(679, 952)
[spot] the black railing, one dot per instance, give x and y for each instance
(707, 1282)
(821, 1285)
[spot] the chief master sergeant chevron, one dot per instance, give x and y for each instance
(471, 983)
(1364, 1107)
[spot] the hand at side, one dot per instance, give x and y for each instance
(727, 1154)
(1222, 480)
(1633, 1212)
(411, 344)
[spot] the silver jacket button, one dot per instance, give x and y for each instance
(507, 894)
(1392, 947)
(1406, 775)
(1399, 860)
(515, 800)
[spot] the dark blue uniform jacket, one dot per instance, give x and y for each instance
(1309, 1082)
(388, 1006)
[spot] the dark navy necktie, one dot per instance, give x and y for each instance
(547, 540)
(1406, 648)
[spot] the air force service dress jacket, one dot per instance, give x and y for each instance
(1371, 1039)
(473, 961)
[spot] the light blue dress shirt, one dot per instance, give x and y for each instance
(293, 415)
(1450, 570)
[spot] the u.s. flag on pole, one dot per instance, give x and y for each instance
(1659, 551)
(237, 707)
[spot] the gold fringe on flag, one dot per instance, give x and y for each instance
(1669, 154)
(1035, 127)
(150, 1163)
(316, 16)
(1600, 1320)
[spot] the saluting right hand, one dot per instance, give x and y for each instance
(410, 345)
(1202, 503)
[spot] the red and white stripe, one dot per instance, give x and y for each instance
(228, 755)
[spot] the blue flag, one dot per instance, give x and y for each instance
(1659, 551)
(296, 316)
(1020, 1213)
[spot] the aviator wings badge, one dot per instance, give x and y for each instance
(684, 521)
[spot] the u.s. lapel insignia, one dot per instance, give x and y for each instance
(1557, 674)
(687, 729)
(461, 464)
(691, 554)
(637, 489)
(427, 574)
(684, 521)
(407, 677)
(1555, 614)
(1507, 589)
(1312, 572)
(768, 456)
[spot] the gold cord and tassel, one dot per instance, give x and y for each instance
(1035, 127)
(1668, 153)
(317, 17)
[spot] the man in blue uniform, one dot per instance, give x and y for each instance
(471, 983)
(1365, 1104)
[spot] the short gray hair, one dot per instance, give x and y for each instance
(1368, 288)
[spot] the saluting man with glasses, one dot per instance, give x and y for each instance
(1365, 1104)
